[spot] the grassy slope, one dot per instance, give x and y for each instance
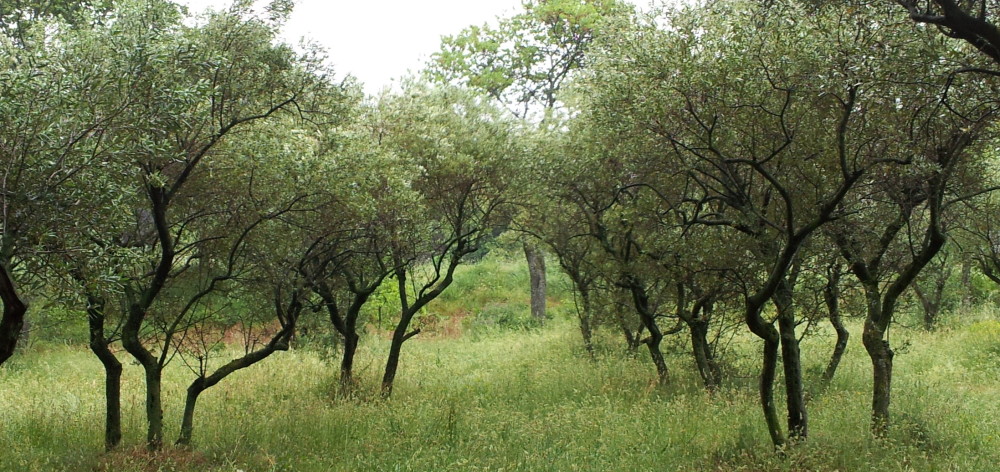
(514, 400)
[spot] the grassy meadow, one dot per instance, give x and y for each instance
(483, 389)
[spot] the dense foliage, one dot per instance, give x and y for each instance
(190, 190)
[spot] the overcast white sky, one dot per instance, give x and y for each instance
(380, 40)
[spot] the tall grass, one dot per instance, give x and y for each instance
(518, 399)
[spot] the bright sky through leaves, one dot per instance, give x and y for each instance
(378, 41)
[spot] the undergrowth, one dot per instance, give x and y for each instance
(517, 398)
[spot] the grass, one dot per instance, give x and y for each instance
(516, 399)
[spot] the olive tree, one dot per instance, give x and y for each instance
(196, 86)
(732, 100)
(457, 151)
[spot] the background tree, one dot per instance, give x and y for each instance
(352, 251)
(523, 63)
(458, 152)
(55, 114)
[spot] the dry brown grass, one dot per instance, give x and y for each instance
(138, 458)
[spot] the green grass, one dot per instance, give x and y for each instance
(520, 400)
(517, 397)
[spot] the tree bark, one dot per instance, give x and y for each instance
(277, 343)
(190, 401)
(769, 367)
(930, 305)
(112, 373)
(429, 292)
(798, 420)
(536, 273)
(831, 295)
(631, 338)
(14, 309)
(584, 314)
(153, 372)
(881, 355)
(24, 339)
(711, 376)
(641, 301)
(154, 406)
(652, 342)
(967, 289)
(399, 336)
(347, 363)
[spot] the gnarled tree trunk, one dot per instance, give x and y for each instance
(831, 295)
(112, 373)
(278, 342)
(14, 309)
(798, 420)
(708, 369)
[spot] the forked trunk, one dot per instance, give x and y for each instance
(931, 302)
(769, 366)
(642, 307)
(768, 370)
(798, 420)
(588, 335)
(153, 371)
(584, 314)
(277, 343)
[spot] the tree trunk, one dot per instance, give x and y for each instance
(154, 406)
(399, 336)
(769, 367)
(969, 291)
(279, 342)
(428, 293)
(150, 364)
(932, 302)
(798, 424)
(584, 313)
(769, 364)
(112, 374)
(653, 343)
(873, 337)
(798, 421)
(24, 339)
(588, 335)
(931, 306)
(831, 295)
(536, 273)
(707, 367)
(640, 299)
(347, 363)
(14, 309)
(187, 423)
(631, 339)
(881, 355)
